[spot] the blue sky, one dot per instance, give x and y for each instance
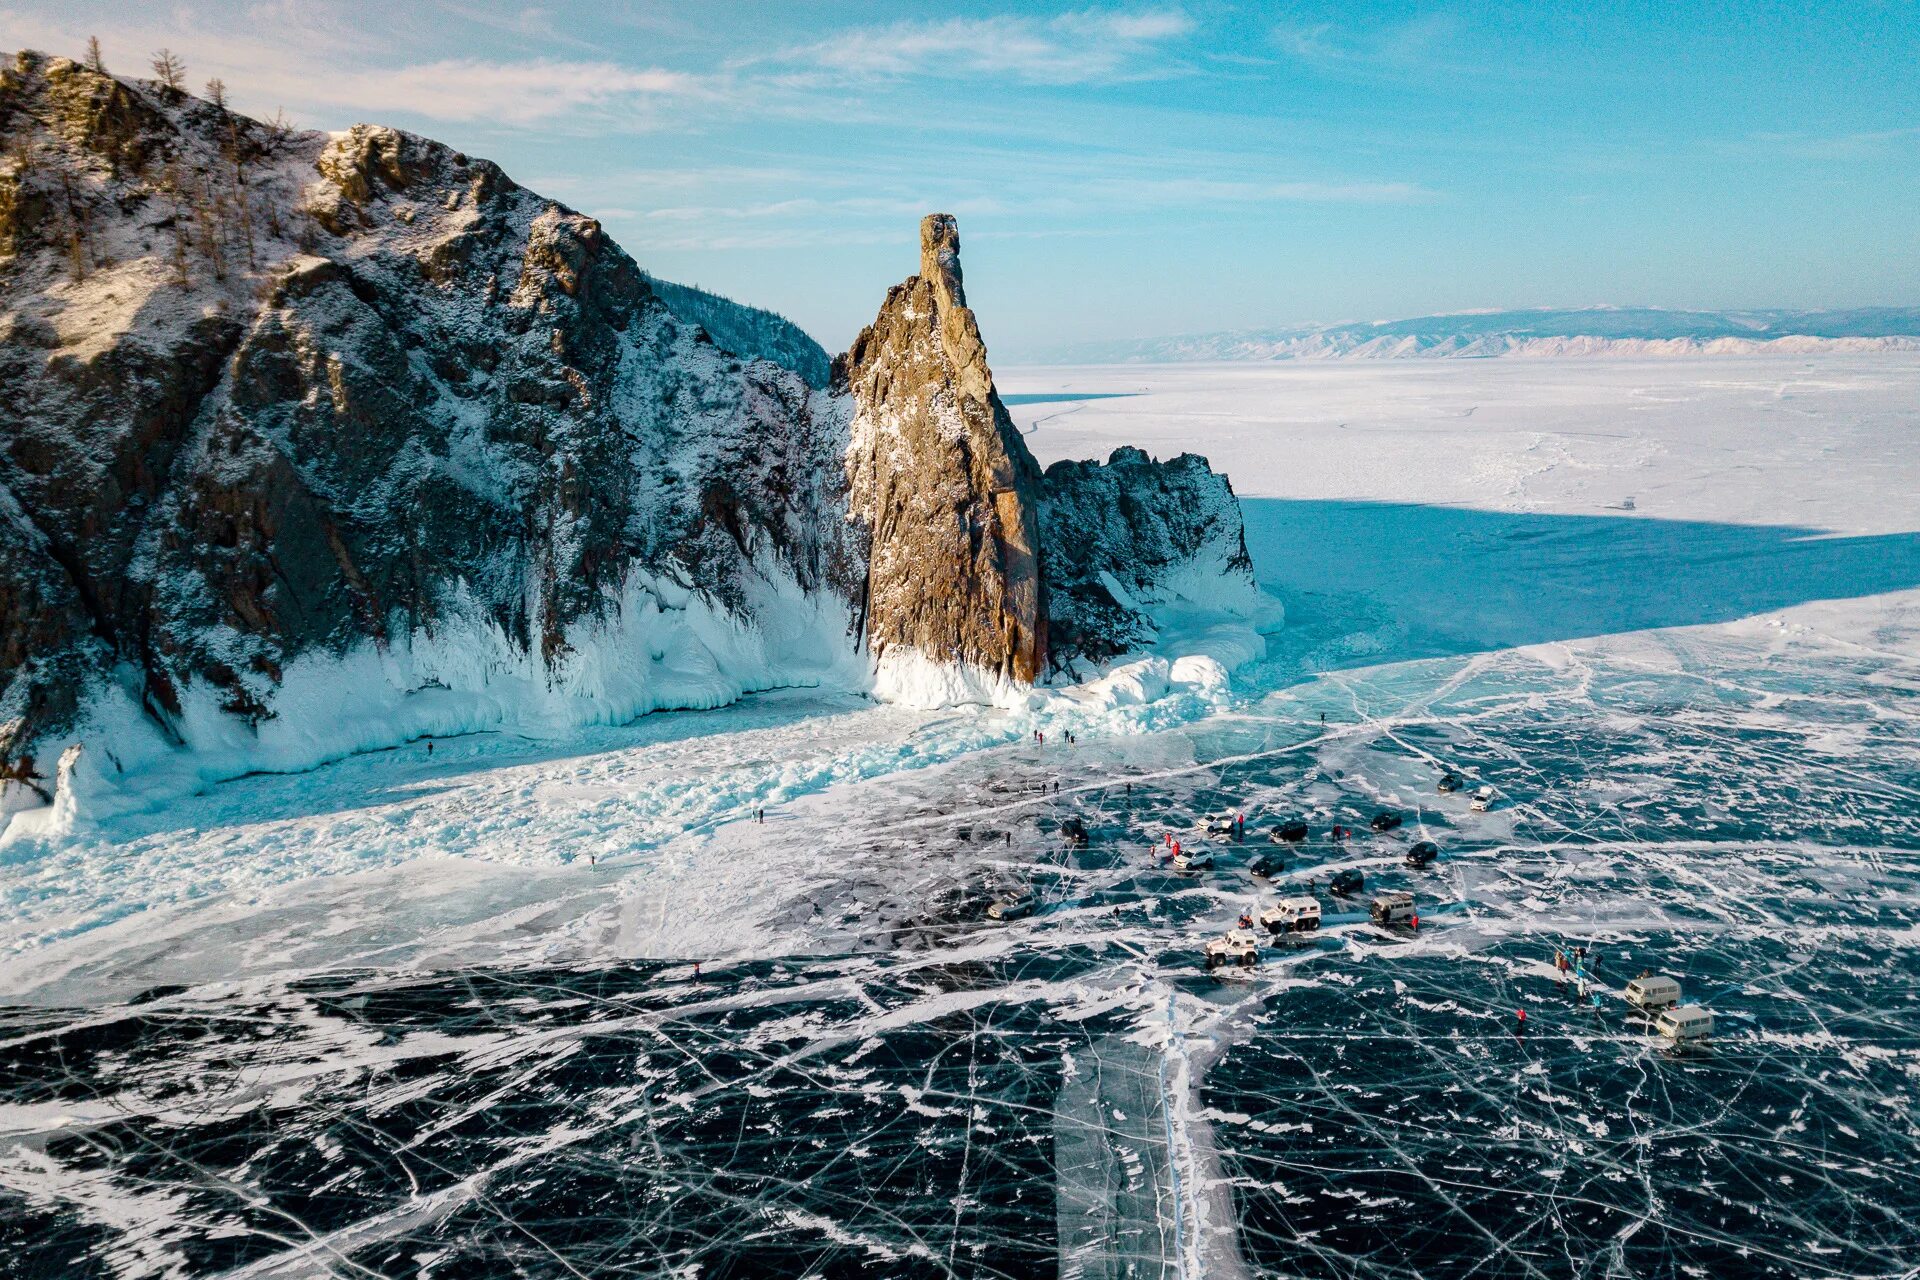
(1142, 170)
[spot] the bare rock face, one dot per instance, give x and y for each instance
(316, 443)
(942, 490)
(275, 396)
(1133, 532)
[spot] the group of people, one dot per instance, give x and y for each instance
(1584, 966)
(1577, 961)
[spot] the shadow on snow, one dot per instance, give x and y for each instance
(1461, 580)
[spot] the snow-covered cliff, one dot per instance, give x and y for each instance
(317, 443)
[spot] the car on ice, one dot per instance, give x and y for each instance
(1292, 915)
(1450, 783)
(1236, 946)
(1193, 860)
(1422, 854)
(1289, 833)
(1482, 800)
(1653, 991)
(1220, 824)
(1267, 866)
(1393, 908)
(1012, 905)
(1074, 832)
(1346, 882)
(1684, 1023)
(1386, 820)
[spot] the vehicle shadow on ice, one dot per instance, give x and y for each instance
(1456, 580)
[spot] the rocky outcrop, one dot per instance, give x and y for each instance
(942, 490)
(314, 443)
(1133, 533)
(292, 396)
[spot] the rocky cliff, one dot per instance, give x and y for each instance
(1133, 533)
(942, 490)
(314, 443)
(281, 396)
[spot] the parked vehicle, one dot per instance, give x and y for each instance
(1012, 905)
(1393, 908)
(1267, 866)
(1346, 882)
(1193, 860)
(1385, 821)
(1289, 833)
(1450, 783)
(1422, 854)
(1074, 832)
(1653, 991)
(1292, 915)
(1482, 800)
(1219, 824)
(1236, 946)
(1684, 1023)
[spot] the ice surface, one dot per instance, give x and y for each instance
(441, 1015)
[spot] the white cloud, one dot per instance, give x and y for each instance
(1860, 145)
(1427, 45)
(1217, 191)
(317, 69)
(522, 93)
(1073, 48)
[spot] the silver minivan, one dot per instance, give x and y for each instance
(1653, 991)
(1684, 1023)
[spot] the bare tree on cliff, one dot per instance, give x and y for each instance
(95, 63)
(170, 72)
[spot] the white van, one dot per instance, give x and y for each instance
(1292, 915)
(1685, 1023)
(1392, 908)
(1654, 991)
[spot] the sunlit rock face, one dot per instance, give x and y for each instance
(942, 490)
(314, 443)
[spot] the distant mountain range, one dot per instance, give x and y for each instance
(1577, 331)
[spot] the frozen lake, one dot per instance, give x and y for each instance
(568, 1009)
